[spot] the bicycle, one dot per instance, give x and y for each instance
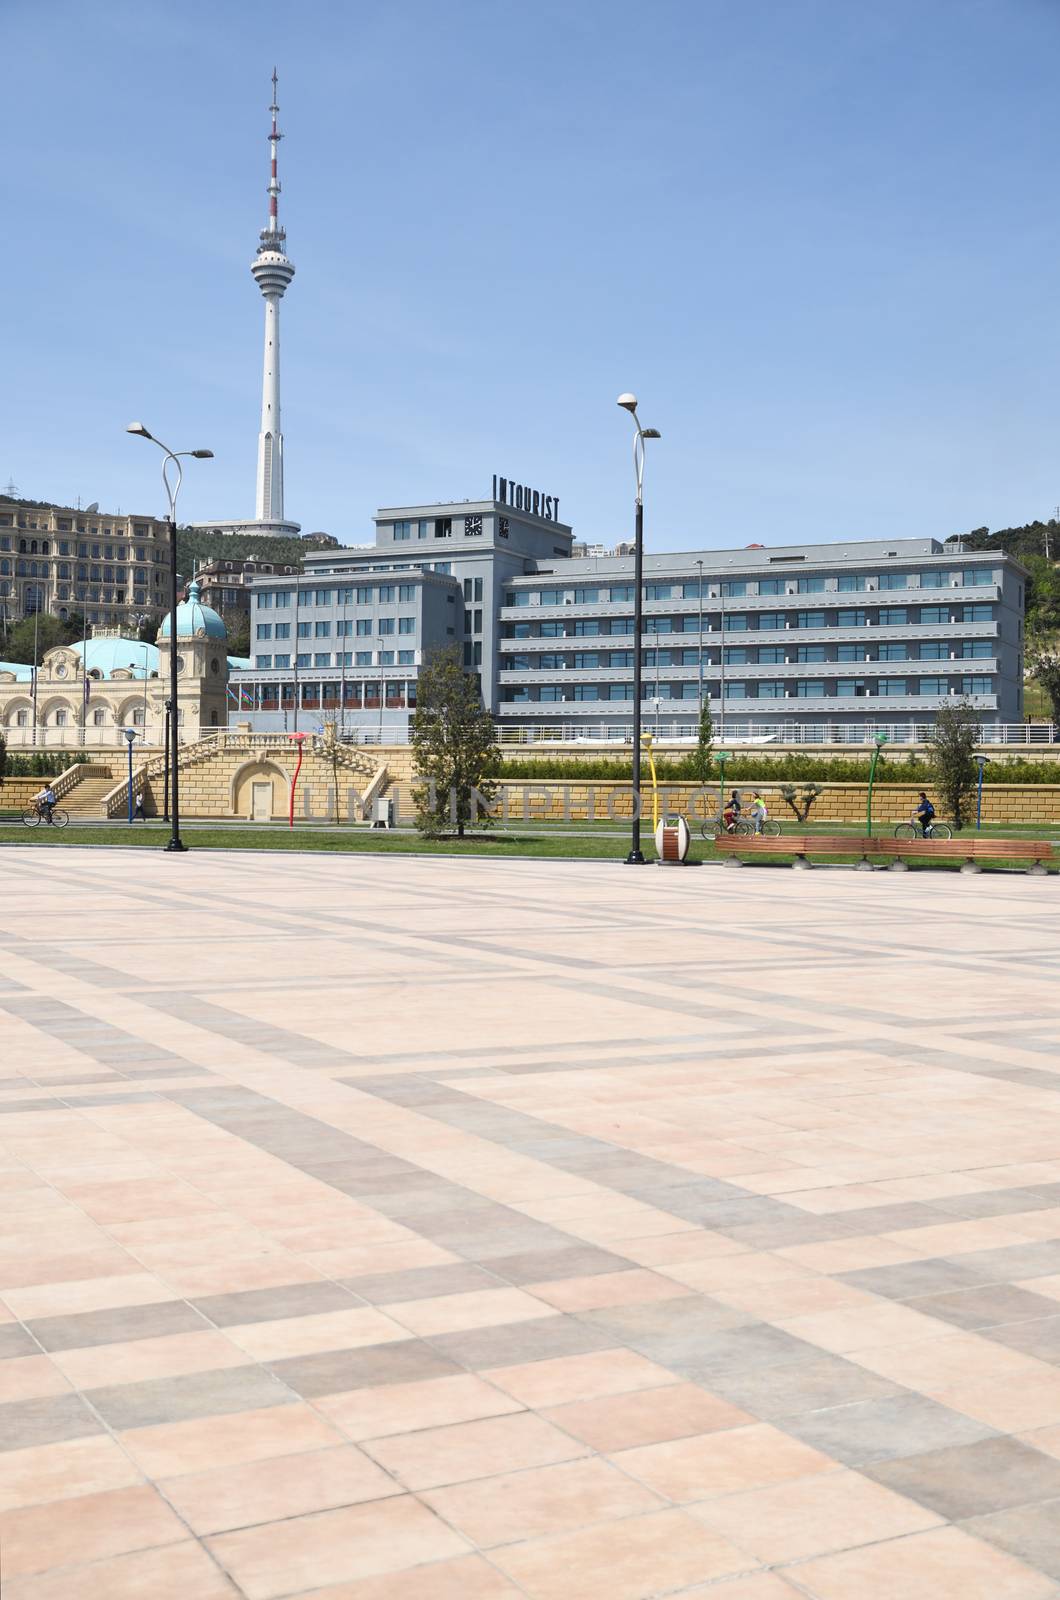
(913, 830)
(714, 827)
(31, 817)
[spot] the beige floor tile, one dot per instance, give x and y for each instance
(812, 1516)
(730, 1272)
(461, 1578)
(760, 1586)
(698, 1245)
(607, 1289)
(844, 1330)
(465, 1450)
(140, 1359)
(282, 1486)
(649, 1416)
(373, 1413)
(173, 1448)
(333, 1547)
(944, 1564)
(629, 1560)
(551, 1383)
(86, 1529)
(545, 1500)
(30, 1378)
(331, 1330)
(92, 1294)
(722, 1463)
(480, 1308)
(63, 1471)
(174, 1572)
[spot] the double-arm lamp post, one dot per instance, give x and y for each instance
(628, 402)
(172, 490)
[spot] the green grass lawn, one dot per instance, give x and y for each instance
(557, 841)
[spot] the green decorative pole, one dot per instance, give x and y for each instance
(881, 740)
(721, 756)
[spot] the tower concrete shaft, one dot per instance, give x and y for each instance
(272, 272)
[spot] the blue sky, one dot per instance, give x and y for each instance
(817, 237)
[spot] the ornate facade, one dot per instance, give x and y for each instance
(87, 694)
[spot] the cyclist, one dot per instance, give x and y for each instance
(45, 802)
(758, 811)
(731, 814)
(924, 814)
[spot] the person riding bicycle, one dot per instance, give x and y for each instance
(45, 802)
(758, 811)
(924, 814)
(731, 814)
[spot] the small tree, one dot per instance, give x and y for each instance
(802, 801)
(330, 748)
(1043, 665)
(951, 747)
(453, 743)
(701, 762)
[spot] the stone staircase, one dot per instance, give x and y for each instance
(86, 798)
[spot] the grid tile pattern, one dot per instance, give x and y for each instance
(487, 1229)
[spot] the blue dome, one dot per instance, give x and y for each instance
(105, 655)
(195, 620)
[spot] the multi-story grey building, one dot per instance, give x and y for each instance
(358, 624)
(831, 639)
(826, 637)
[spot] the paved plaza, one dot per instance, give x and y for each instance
(383, 1228)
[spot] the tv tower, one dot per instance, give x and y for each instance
(272, 272)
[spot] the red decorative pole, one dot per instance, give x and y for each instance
(299, 739)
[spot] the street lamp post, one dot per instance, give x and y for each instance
(130, 736)
(980, 762)
(628, 402)
(880, 740)
(172, 490)
(165, 783)
(379, 641)
(132, 668)
(721, 659)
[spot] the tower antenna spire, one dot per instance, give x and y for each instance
(272, 272)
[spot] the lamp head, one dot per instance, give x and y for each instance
(881, 739)
(138, 427)
(628, 402)
(650, 433)
(130, 734)
(202, 455)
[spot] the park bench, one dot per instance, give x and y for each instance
(799, 845)
(802, 845)
(973, 848)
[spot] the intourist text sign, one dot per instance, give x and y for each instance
(521, 498)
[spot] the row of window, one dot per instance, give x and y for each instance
(764, 655)
(439, 527)
(338, 658)
(761, 622)
(398, 692)
(64, 547)
(841, 688)
(343, 628)
(972, 577)
(360, 594)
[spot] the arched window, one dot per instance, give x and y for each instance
(22, 719)
(61, 718)
(138, 717)
(98, 718)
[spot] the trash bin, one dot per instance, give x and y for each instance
(383, 814)
(671, 841)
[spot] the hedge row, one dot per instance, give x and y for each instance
(41, 764)
(753, 768)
